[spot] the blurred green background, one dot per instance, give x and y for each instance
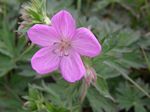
(123, 68)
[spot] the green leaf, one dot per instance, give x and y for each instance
(128, 96)
(102, 87)
(124, 74)
(100, 103)
(139, 108)
(52, 108)
(6, 65)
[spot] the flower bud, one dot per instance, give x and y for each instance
(90, 76)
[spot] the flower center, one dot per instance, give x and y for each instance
(62, 48)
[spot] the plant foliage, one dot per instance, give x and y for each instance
(122, 69)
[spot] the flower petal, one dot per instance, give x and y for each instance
(72, 67)
(42, 35)
(45, 61)
(85, 43)
(64, 24)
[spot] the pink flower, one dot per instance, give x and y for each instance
(61, 46)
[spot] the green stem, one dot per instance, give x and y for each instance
(27, 50)
(134, 83)
(79, 3)
(128, 78)
(147, 8)
(146, 58)
(84, 91)
(6, 85)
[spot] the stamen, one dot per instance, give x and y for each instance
(62, 48)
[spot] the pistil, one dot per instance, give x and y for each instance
(62, 48)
